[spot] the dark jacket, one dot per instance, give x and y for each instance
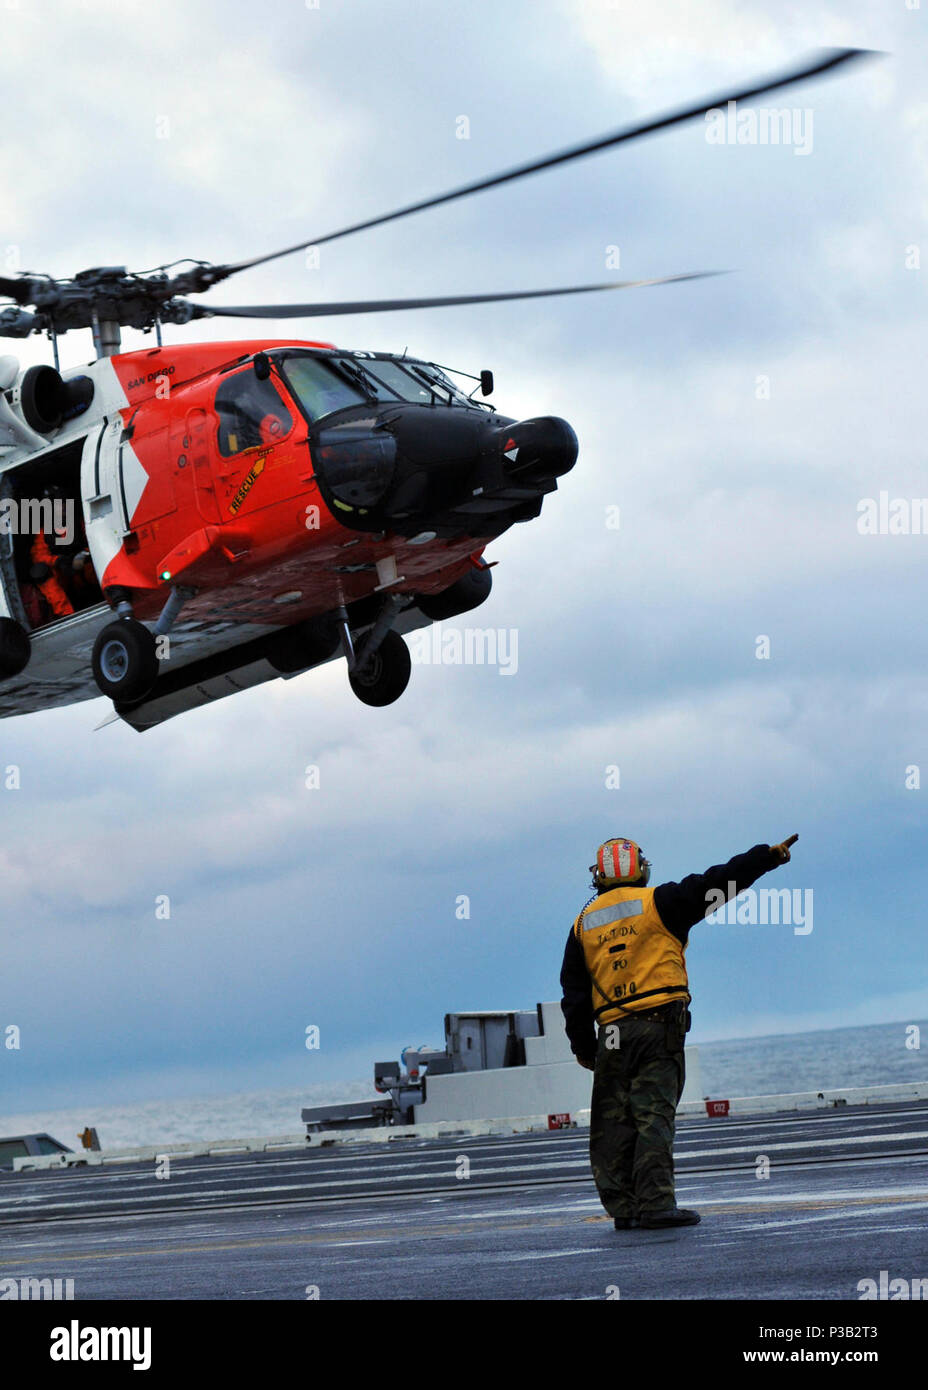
(680, 906)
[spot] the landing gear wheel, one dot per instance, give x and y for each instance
(125, 665)
(15, 648)
(386, 675)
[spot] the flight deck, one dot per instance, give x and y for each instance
(490, 1217)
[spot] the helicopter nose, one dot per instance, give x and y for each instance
(538, 449)
(411, 469)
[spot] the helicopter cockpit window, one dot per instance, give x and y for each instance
(396, 377)
(359, 372)
(320, 389)
(251, 413)
(435, 374)
(440, 386)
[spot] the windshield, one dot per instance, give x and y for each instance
(323, 385)
(319, 388)
(402, 384)
(440, 384)
(421, 382)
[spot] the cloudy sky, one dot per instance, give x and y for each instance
(736, 423)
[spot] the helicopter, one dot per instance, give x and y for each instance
(182, 522)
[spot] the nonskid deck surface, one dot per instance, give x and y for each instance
(499, 1217)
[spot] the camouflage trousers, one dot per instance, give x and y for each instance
(636, 1087)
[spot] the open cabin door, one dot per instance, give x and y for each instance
(45, 571)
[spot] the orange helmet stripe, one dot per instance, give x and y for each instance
(619, 859)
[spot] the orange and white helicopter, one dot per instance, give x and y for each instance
(183, 522)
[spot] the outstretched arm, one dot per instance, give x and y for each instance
(681, 905)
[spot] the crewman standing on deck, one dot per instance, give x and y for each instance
(625, 970)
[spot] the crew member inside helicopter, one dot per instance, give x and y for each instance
(61, 578)
(251, 413)
(46, 570)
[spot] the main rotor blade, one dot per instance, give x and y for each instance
(379, 306)
(826, 60)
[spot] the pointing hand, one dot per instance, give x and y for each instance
(782, 850)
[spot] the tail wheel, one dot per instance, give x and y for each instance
(15, 648)
(385, 676)
(125, 665)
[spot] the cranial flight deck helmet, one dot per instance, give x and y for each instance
(620, 863)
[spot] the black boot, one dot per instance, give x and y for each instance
(670, 1216)
(625, 1223)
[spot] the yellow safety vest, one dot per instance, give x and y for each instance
(634, 961)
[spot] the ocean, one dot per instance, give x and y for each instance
(875, 1055)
